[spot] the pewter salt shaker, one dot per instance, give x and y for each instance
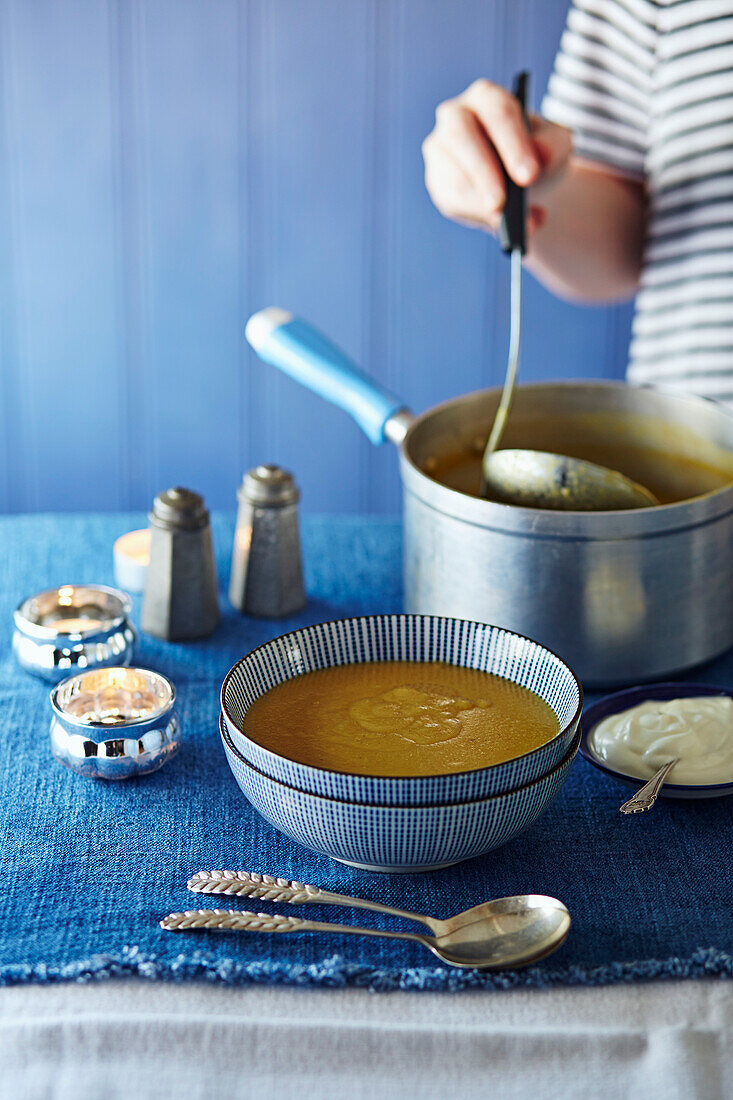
(267, 574)
(180, 599)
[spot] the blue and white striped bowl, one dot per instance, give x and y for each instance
(404, 638)
(396, 838)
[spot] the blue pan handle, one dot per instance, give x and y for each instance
(308, 357)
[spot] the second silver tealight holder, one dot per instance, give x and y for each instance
(72, 628)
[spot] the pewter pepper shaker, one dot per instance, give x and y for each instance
(267, 574)
(180, 599)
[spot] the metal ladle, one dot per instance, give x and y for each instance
(499, 935)
(538, 479)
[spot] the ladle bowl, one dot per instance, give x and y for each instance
(538, 479)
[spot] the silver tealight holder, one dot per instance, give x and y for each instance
(73, 627)
(114, 723)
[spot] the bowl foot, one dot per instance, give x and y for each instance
(398, 870)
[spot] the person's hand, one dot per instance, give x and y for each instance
(473, 136)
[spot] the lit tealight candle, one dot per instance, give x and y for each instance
(75, 609)
(114, 696)
(77, 626)
(132, 555)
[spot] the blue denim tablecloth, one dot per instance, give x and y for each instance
(90, 867)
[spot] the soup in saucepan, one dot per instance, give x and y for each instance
(675, 464)
(400, 718)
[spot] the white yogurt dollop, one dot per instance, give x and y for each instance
(699, 731)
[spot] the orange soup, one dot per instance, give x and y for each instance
(400, 718)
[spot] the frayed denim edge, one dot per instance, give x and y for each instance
(336, 973)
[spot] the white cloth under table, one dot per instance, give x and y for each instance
(130, 1038)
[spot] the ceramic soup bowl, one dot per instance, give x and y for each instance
(422, 638)
(396, 838)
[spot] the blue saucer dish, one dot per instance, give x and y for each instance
(421, 638)
(624, 700)
(395, 838)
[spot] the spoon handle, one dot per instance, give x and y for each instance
(247, 884)
(645, 798)
(228, 920)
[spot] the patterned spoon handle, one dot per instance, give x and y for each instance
(645, 798)
(227, 920)
(248, 884)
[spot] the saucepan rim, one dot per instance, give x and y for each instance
(632, 523)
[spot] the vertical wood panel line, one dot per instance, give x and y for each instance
(495, 337)
(127, 320)
(260, 201)
(388, 119)
(397, 351)
(250, 260)
(396, 31)
(133, 255)
(139, 102)
(373, 236)
(21, 467)
(254, 391)
(8, 352)
(269, 206)
(244, 273)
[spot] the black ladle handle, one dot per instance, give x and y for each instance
(513, 224)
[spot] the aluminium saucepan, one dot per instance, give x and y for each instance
(622, 596)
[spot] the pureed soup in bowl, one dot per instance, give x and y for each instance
(400, 718)
(402, 709)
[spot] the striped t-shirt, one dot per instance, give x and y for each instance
(647, 89)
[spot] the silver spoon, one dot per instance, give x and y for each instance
(645, 798)
(536, 479)
(511, 932)
(281, 890)
(249, 884)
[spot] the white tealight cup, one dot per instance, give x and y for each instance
(131, 556)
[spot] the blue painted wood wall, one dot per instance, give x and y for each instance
(169, 166)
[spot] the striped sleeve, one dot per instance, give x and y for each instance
(601, 84)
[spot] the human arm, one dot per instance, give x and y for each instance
(586, 221)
